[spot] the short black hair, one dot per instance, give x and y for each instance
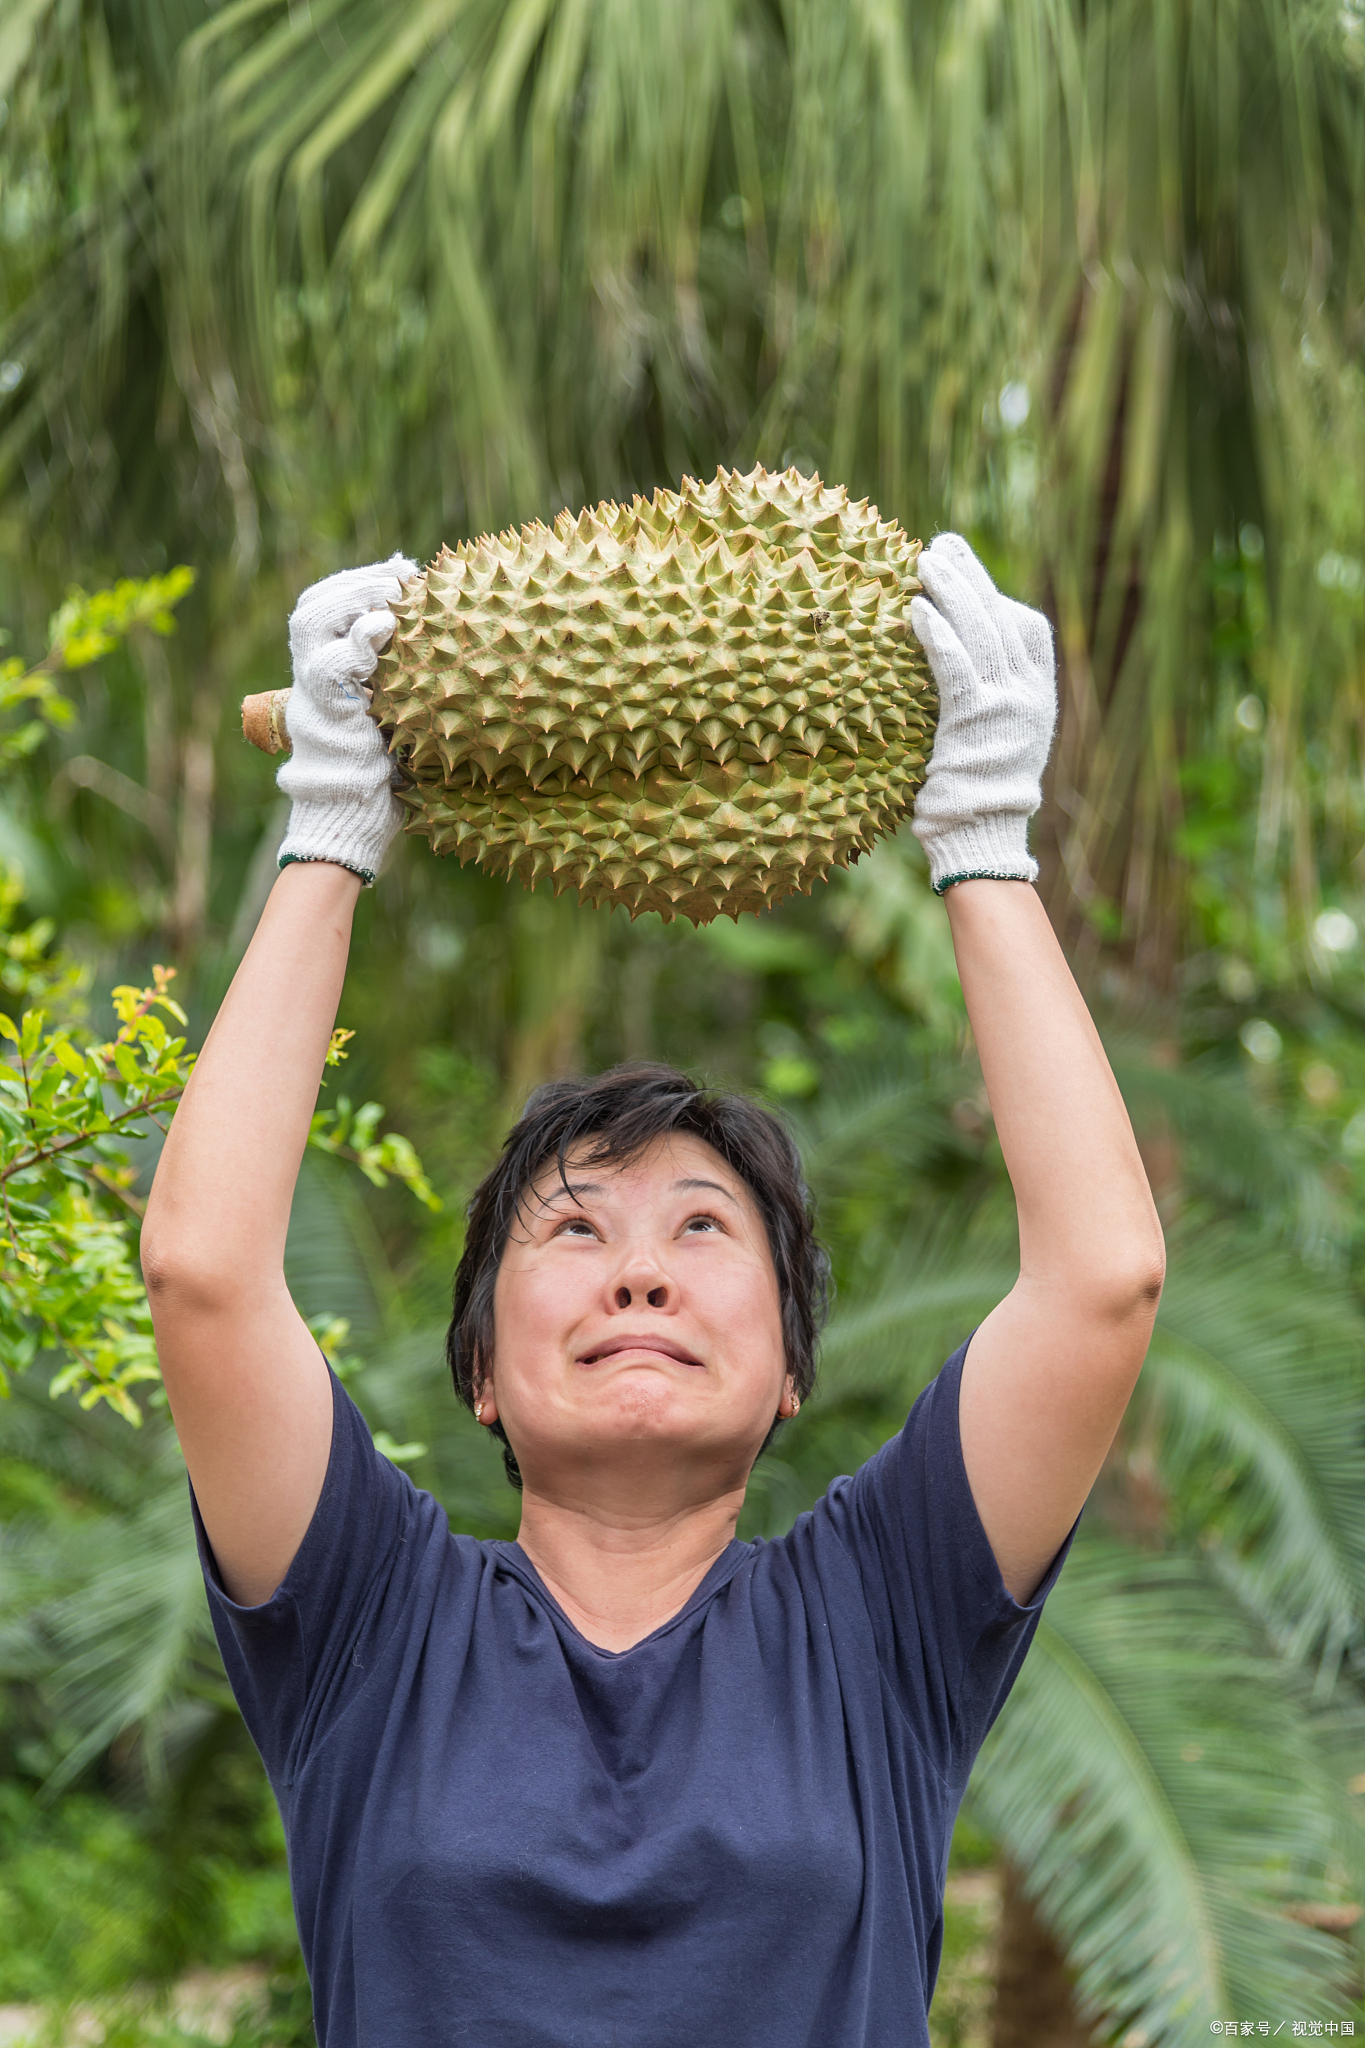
(621, 1113)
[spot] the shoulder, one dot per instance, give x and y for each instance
(901, 1538)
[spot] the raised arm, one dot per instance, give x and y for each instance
(247, 1384)
(1051, 1369)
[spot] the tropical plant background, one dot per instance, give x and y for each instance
(283, 287)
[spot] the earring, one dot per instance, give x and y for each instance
(796, 1404)
(478, 1411)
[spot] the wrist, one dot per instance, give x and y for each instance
(315, 860)
(993, 848)
(350, 831)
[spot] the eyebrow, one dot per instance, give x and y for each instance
(573, 1189)
(714, 1185)
(595, 1187)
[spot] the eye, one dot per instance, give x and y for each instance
(704, 1222)
(575, 1225)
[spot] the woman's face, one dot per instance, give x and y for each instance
(637, 1324)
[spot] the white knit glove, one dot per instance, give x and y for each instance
(339, 774)
(993, 663)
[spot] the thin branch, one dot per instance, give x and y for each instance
(105, 1180)
(83, 1137)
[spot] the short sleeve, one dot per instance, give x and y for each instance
(294, 1661)
(950, 1637)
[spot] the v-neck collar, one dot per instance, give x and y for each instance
(726, 1565)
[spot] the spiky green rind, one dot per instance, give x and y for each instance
(731, 836)
(694, 704)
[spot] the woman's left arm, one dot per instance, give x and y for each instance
(1048, 1374)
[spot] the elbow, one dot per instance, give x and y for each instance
(1116, 1281)
(1153, 1264)
(177, 1280)
(162, 1251)
(1155, 1278)
(1145, 1296)
(162, 1272)
(167, 1275)
(1132, 1289)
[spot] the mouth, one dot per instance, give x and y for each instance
(662, 1347)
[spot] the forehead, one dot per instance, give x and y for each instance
(661, 1169)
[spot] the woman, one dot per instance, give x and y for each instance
(628, 1781)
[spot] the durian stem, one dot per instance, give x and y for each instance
(263, 721)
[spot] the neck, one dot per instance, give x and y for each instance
(621, 1572)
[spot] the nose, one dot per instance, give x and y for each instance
(657, 1297)
(642, 1278)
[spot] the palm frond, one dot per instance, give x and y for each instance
(1154, 1774)
(442, 263)
(892, 1109)
(333, 1261)
(1230, 1150)
(932, 1292)
(1250, 1404)
(104, 1614)
(17, 36)
(131, 1645)
(1253, 1387)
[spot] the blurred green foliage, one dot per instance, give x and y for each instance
(70, 1284)
(282, 288)
(69, 1105)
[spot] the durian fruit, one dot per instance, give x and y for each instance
(692, 704)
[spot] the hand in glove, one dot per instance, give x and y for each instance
(993, 663)
(339, 774)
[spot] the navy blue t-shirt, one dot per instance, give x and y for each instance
(734, 1832)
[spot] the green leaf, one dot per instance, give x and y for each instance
(364, 1123)
(396, 1453)
(87, 626)
(126, 1060)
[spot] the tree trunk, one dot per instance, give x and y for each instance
(557, 958)
(1033, 2005)
(1110, 802)
(194, 850)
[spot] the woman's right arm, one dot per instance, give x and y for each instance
(247, 1384)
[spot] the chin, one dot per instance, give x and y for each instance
(651, 1409)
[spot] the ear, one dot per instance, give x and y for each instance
(790, 1402)
(485, 1400)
